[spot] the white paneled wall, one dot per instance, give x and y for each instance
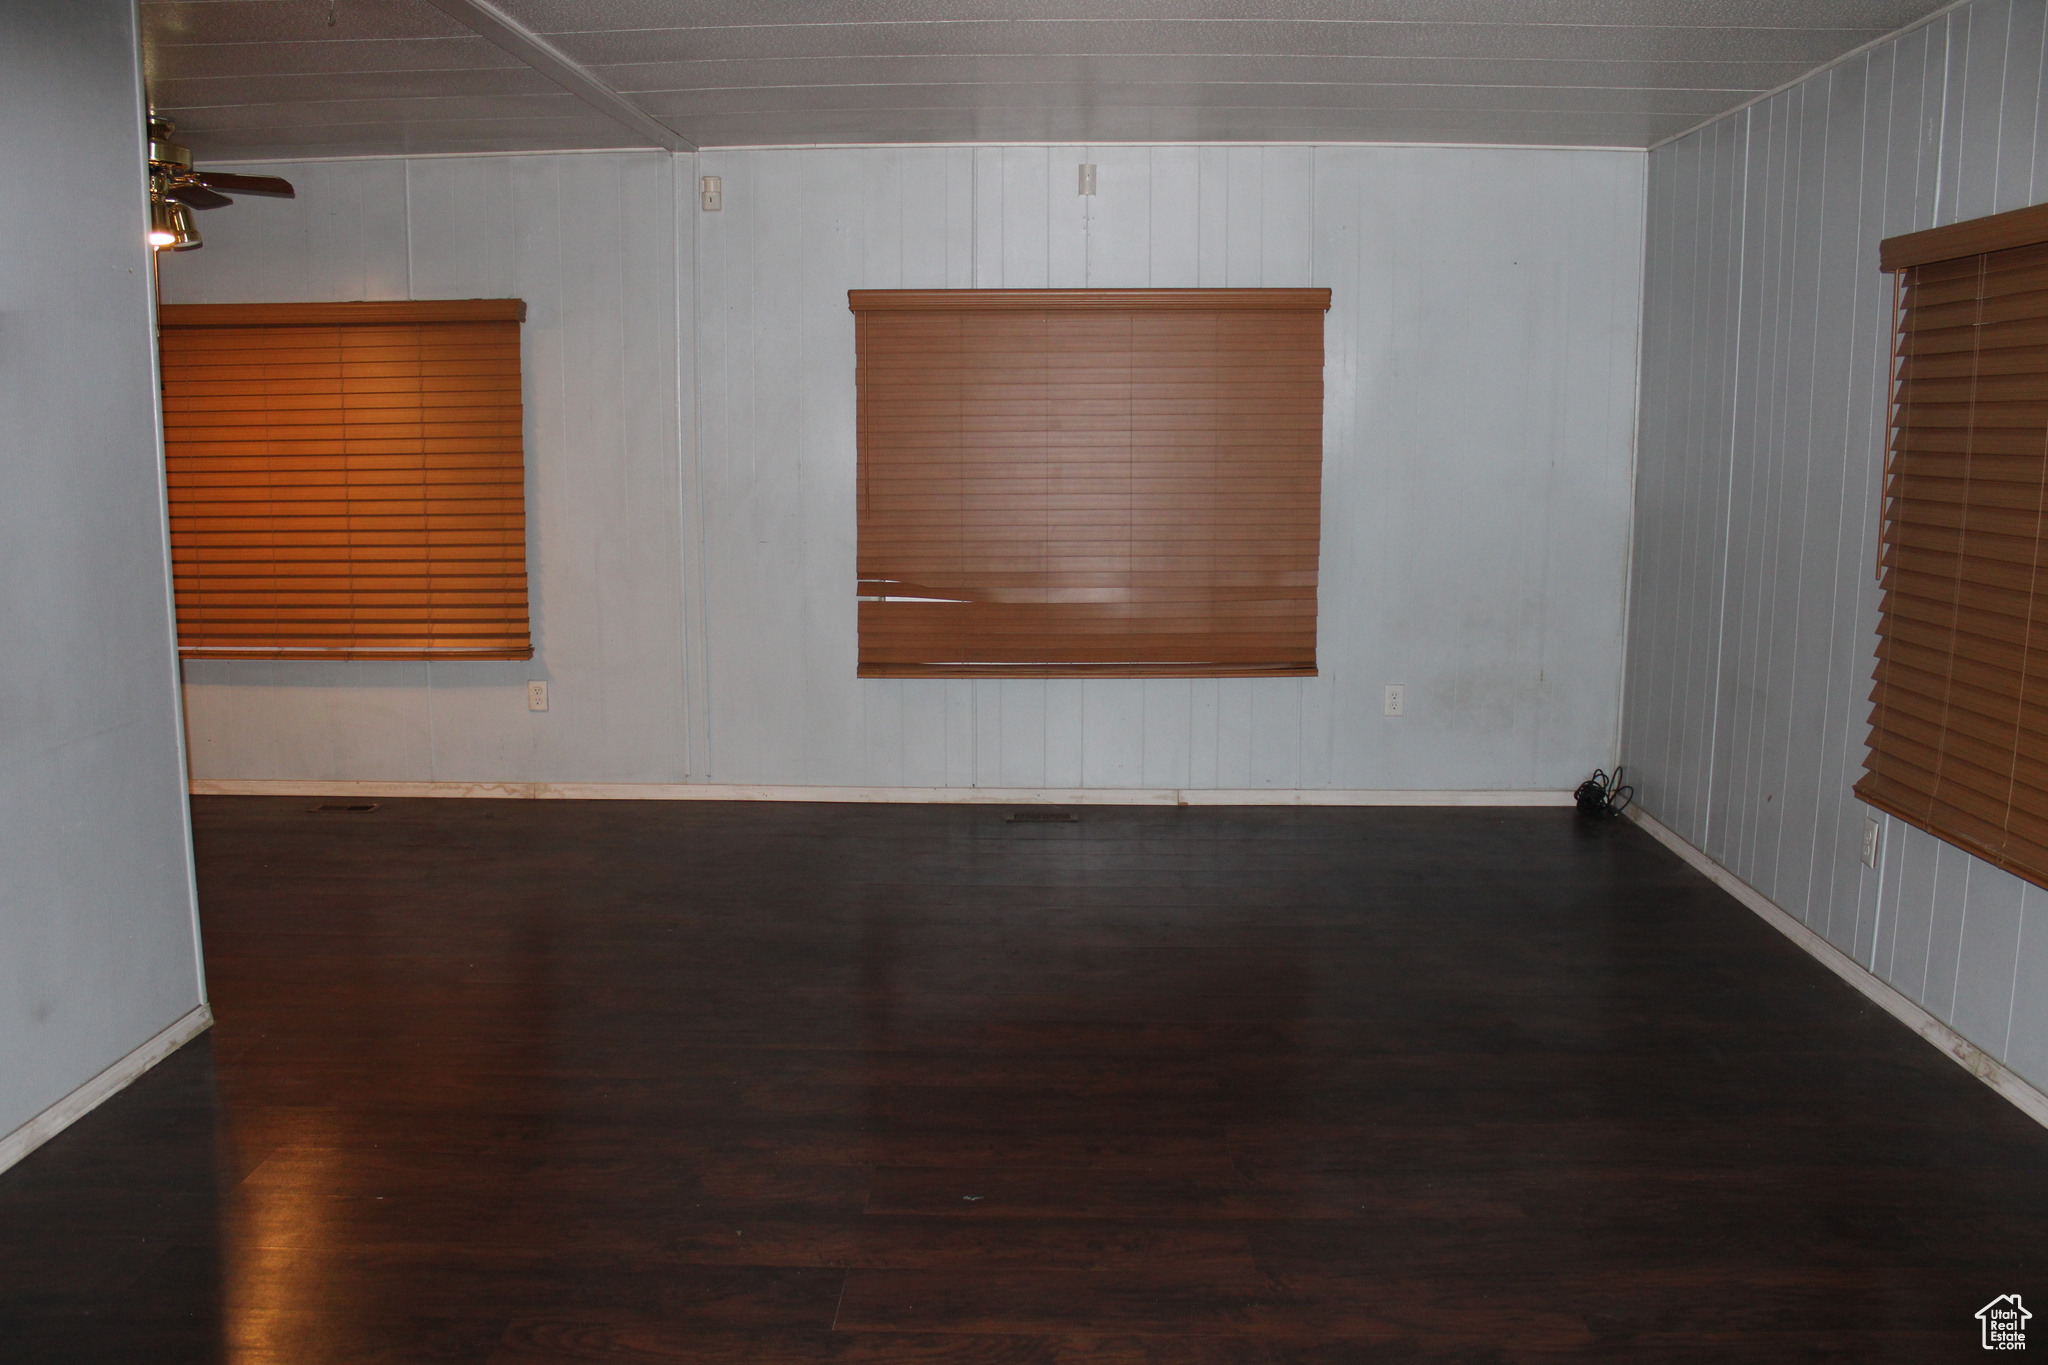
(693, 585)
(589, 241)
(1477, 458)
(1762, 444)
(98, 928)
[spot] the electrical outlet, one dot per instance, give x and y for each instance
(1870, 836)
(1394, 698)
(536, 695)
(712, 188)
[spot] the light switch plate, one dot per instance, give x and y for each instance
(713, 189)
(1870, 838)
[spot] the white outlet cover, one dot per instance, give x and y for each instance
(536, 695)
(1396, 696)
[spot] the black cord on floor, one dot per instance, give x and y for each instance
(1602, 795)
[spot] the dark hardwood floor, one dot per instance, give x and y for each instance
(512, 1082)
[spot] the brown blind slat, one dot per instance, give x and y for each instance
(301, 316)
(935, 303)
(347, 481)
(1074, 483)
(1959, 701)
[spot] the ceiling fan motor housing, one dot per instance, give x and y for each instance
(175, 189)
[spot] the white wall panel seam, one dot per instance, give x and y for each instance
(1835, 782)
(1891, 853)
(1941, 138)
(1820, 898)
(1876, 442)
(1675, 469)
(560, 307)
(1804, 906)
(1745, 499)
(1955, 980)
(1687, 441)
(1774, 448)
(1847, 558)
(427, 667)
(707, 670)
(2012, 1001)
(1769, 459)
(1728, 511)
(1797, 680)
(680, 191)
(1683, 441)
(1894, 867)
(1998, 145)
(1628, 582)
(1825, 804)
(406, 210)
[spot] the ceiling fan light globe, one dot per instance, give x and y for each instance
(185, 232)
(163, 227)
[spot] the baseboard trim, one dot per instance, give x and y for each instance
(1964, 1053)
(102, 1087)
(1007, 796)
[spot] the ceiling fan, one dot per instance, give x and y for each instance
(175, 189)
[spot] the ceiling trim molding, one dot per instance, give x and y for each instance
(1851, 55)
(493, 25)
(290, 160)
(1079, 145)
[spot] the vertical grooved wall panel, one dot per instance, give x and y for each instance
(1479, 393)
(589, 242)
(1762, 431)
(692, 584)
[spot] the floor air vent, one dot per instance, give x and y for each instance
(345, 808)
(1044, 817)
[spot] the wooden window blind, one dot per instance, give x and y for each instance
(347, 480)
(1959, 707)
(1071, 483)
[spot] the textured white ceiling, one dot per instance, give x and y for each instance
(262, 79)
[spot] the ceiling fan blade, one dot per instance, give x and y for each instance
(197, 196)
(242, 184)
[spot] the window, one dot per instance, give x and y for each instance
(1959, 718)
(1075, 483)
(347, 480)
